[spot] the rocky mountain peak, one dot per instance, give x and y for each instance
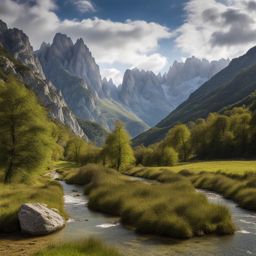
(62, 41)
(17, 43)
(3, 26)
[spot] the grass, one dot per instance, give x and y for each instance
(14, 195)
(237, 187)
(175, 209)
(89, 247)
(241, 189)
(229, 167)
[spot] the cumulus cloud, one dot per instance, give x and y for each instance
(84, 6)
(112, 73)
(130, 43)
(218, 29)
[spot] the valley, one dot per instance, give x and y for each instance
(128, 128)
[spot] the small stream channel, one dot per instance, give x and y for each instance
(84, 223)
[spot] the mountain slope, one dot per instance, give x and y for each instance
(96, 133)
(152, 97)
(17, 56)
(229, 86)
(73, 70)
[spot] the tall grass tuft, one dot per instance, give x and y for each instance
(90, 247)
(174, 209)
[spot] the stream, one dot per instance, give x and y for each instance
(85, 223)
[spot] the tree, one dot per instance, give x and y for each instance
(25, 143)
(169, 157)
(178, 138)
(118, 149)
(75, 149)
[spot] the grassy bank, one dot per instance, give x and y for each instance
(242, 190)
(229, 167)
(239, 188)
(84, 248)
(14, 195)
(174, 209)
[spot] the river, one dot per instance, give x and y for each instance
(84, 223)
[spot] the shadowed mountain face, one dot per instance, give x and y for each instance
(152, 97)
(229, 86)
(17, 44)
(72, 69)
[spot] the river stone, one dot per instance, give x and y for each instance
(37, 219)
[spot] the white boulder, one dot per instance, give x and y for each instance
(37, 219)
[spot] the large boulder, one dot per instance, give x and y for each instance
(37, 219)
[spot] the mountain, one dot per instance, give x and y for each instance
(231, 85)
(73, 70)
(96, 133)
(151, 97)
(17, 58)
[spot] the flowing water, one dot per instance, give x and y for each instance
(84, 223)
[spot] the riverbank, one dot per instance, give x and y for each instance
(241, 188)
(174, 210)
(12, 196)
(84, 223)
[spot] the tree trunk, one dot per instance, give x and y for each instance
(8, 173)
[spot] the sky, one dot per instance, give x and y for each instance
(147, 34)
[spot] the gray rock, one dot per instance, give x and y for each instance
(73, 70)
(37, 219)
(151, 97)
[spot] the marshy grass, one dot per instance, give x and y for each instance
(12, 196)
(240, 188)
(90, 247)
(227, 166)
(173, 209)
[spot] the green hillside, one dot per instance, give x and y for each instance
(230, 86)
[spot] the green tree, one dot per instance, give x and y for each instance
(118, 149)
(178, 138)
(75, 149)
(169, 157)
(25, 143)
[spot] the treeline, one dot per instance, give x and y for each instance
(219, 136)
(30, 140)
(116, 152)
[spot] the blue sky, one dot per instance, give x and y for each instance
(147, 34)
(166, 12)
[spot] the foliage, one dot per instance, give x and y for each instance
(79, 151)
(231, 134)
(178, 138)
(89, 247)
(174, 209)
(117, 150)
(25, 142)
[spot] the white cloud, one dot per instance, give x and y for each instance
(154, 62)
(84, 6)
(112, 73)
(218, 28)
(130, 43)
